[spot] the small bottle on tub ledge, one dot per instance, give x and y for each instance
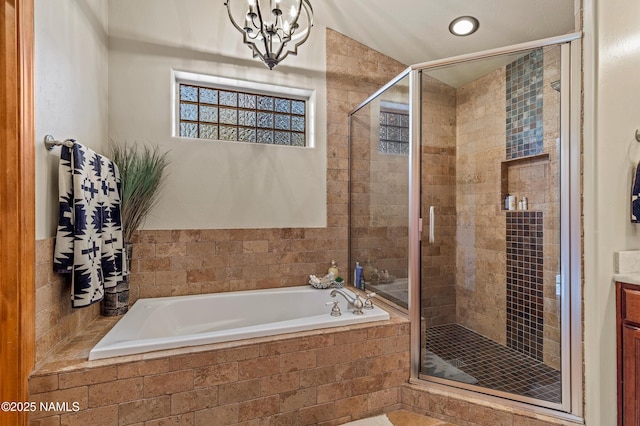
(333, 269)
(357, 277)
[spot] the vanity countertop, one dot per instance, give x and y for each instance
(627, 267)
(628, 278)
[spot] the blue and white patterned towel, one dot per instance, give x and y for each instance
(635, 196)
(89, 242)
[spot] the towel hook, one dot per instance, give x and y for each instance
(50, 142)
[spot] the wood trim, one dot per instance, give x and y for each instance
(619, 389)
(17, 205)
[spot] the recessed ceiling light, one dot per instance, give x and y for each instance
(464, 26)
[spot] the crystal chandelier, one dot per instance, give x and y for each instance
(272, 28)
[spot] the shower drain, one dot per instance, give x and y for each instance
(456, 362)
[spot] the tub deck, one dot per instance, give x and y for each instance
(74, 355)
(328, 376)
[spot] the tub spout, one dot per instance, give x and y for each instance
(353, 302)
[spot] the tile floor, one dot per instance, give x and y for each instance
(495, 366)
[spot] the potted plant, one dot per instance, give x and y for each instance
(142, 175)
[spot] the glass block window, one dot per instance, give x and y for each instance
(229, 115)
(394, 130)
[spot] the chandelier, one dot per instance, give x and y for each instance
(272, 28)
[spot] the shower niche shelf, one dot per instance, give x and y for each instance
(530, 160)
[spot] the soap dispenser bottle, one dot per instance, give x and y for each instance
(333, 269)
(357, 277)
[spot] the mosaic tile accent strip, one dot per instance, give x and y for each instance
(493, 365)
(525, 303)
(524, 105)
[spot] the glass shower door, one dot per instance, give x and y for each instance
(490, 270)
(379, 198)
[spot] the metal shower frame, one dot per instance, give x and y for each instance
(571, 407)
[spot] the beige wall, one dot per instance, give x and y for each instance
(611, 85)
(71, 90)
(214, 184)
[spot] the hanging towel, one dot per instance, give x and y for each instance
(635, 196)
(89, 241)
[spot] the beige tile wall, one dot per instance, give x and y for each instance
(324, 378)
(56, 320)
(439, 190)
(380, 195)
(173, 263)
(379, 181)
(481, 232)
(379, 233)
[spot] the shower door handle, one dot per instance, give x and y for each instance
(432, 225)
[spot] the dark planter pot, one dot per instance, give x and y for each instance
(116, 299)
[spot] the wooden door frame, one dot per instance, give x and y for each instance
(17, 205)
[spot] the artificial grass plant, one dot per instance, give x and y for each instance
(142, 176)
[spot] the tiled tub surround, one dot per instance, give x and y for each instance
(178, 263)
(317, 377)
(186, 262)
(56, 320)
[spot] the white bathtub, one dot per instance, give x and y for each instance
(173, 322)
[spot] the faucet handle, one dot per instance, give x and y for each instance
(368, 304)
(335, 311)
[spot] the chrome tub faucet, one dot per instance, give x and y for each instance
(353, 302)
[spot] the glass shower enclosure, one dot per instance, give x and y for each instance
(463, 212)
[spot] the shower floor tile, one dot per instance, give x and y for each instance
(493, 365)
